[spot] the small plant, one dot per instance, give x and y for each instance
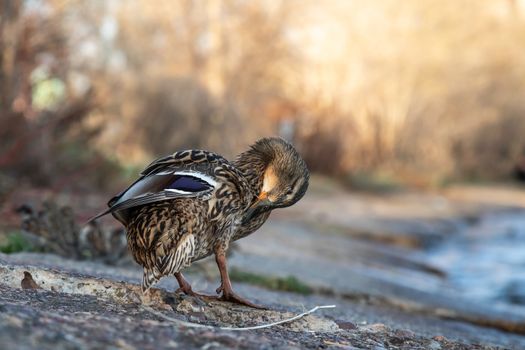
(15, 243)
(287, 284)
(375, 182)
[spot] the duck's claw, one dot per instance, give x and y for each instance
(234, 298)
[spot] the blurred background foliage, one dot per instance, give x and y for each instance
(419, 92)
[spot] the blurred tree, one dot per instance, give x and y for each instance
(43, 135)
(416, 85)
(408, 88)
(196, 71)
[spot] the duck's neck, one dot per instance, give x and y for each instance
(253, 164)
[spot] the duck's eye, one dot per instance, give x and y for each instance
(290, 191)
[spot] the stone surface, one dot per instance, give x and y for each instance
(344, 266)
(74, 309)
(369, 255)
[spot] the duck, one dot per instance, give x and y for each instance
(192, 204)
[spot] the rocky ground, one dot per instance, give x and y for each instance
(367, 255)
(70, 310)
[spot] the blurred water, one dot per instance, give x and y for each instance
(486, 261)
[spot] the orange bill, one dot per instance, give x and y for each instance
(262, 197)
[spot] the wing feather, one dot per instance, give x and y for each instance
(183, 174)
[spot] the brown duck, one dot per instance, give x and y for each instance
(189, 205)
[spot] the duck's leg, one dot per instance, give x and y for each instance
(184, 286)
(226, 285)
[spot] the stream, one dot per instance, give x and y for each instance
(485, 262)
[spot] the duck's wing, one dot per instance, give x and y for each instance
(184, 174)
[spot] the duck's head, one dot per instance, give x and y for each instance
(285, 176)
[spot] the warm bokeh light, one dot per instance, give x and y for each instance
(419, 91)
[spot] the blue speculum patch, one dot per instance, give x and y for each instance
(189, 184)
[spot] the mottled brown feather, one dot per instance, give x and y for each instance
(166, 236)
